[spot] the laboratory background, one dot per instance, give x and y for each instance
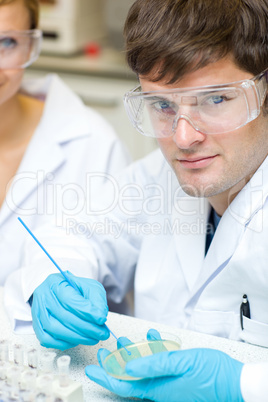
(83, 44)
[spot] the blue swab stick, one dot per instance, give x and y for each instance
(71, 283)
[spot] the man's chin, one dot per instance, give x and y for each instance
(200, 190)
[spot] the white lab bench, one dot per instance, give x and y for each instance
(82, 356)
(101, 81)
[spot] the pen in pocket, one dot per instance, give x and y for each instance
(244, 310)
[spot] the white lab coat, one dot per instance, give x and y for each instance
(160, 253)
(71, 142)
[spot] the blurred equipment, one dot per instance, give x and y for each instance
(69, 25)
(115, 16)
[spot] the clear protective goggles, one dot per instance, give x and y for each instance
(213, 109)
(19, 49)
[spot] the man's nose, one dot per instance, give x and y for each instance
(184, 133)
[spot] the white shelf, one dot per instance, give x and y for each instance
(110, 62)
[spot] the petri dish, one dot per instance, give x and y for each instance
(115, 358)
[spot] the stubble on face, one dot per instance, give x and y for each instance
(239, 155)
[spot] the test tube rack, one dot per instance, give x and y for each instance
(30, 376)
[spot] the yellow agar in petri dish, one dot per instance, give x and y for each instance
(114, 364)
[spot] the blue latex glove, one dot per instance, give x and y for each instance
(64, 318)
(185, 375)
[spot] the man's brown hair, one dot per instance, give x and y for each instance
(172, 37)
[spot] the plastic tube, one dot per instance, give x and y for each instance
(47, 362)
(18, 352)
(13, 378)
(4, 354)
(32, 357)
(28, 380)
(3, 370)
(45, 385)
(63, 364)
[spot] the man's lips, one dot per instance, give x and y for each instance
(197, 162)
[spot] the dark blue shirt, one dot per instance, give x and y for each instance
(212, 224)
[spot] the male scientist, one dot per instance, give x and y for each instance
(192, 226)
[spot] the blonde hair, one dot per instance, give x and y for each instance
(33, 8)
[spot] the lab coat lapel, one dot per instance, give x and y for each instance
(232, 226)
(190, 214)
(34, 169)
(68, 117)
(68, 121)
(45, 152)
(223, 245)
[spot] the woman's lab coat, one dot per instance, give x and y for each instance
(69, 146)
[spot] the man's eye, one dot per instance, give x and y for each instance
(215, 100)
(218, 99)
(164, 107)
(8, 43)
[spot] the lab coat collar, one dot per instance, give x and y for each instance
(199, 270)
(251, 198)
(44, 153)
(191, 215)
(64, 112)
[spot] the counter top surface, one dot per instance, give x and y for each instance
(82, 356)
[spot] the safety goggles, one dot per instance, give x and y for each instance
(19, 49)
(214, 109)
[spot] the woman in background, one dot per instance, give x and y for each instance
(51, 145)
